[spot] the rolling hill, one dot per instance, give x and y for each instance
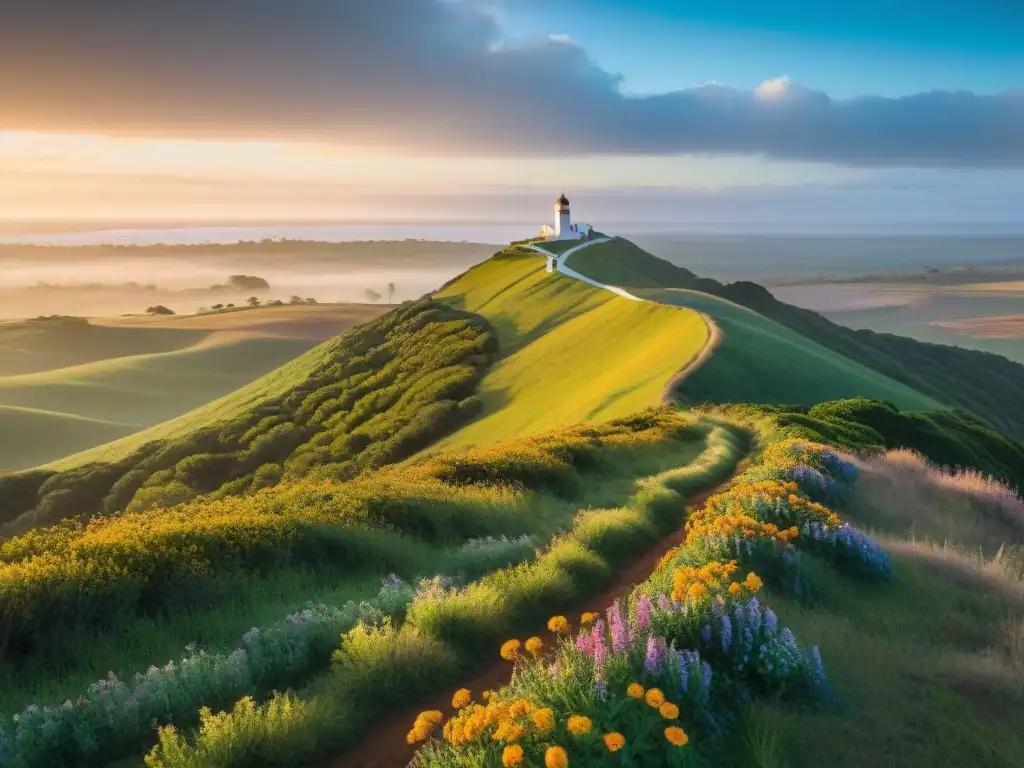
(570, 352)
(917, 375)
(85, 383)
(496, 438)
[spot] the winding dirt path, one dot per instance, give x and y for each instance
(715, 336)
(384, 743)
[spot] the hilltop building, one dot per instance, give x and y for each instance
(564, 229)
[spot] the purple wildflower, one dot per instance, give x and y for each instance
(655, 649)
(726, 632)
(600, 648)
(620, 635)
(643, 612)
(585, 643)
(705, 634)
(663, 602)
(771, 621)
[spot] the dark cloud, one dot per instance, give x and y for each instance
(430, 75)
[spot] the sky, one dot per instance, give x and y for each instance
(322, 109)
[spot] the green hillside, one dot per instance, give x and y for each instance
(570, 352)
(758, 360)
(366, 398)
(987, 385)
(44, 344)
(37, 432)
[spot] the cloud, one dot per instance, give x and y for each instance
(434, 76)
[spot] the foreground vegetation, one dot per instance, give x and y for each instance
(372, 396)
(435, 514)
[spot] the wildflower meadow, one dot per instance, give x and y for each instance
(660, 677)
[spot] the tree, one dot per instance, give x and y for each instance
(229, 306)
(296, 299)
(217, 306)
(391, 293)
(372, 295)
(253, 301)
(248, 283)
(311, 301)
(159, 309)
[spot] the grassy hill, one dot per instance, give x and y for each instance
(758, 359)
(86, 383)
(570, 352)
(374, 395)
(916, 374)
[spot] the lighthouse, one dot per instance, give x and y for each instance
(564, 229)
(563, 220)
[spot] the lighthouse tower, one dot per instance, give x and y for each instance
(563, 224)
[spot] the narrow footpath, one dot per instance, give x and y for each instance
(384, 743)
(556, 263)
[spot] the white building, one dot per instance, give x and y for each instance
(564, 229)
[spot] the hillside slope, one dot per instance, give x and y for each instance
(366, 398)
(987, 385)
(570, 352)
(69, 384)
(758, 359)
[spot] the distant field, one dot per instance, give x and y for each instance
(978, 315)
(571, 352)
(758, 359)
(53, 412)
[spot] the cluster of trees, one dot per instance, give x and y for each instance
(375, 296)
(382, 392)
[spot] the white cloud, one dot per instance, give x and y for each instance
(776, 88)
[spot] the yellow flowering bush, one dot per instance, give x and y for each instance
(512, 755)
(676, 736)
(558, 624)
(556, 757)
(461, 698)
(510, 650)
(579, 725)
(614, 741)
(534, 646)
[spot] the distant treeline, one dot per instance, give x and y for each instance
(381, 392)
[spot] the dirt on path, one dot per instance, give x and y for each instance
(384, 743)
(668, 397)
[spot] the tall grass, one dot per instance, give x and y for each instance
(467, 621)
(906, 494)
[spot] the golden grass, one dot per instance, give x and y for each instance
(573, 353)
(901, 492)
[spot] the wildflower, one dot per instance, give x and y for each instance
(676, 736)
(558, 624)
(510, 650)
(726, 623)
(635, 691)
(461, 698)
(411, 737)
(663, 602)
(643, 612)
(585, 643)
(544, 720)
(735, 588)
(556, 757)
(697, 590)
(620, 634)
(589, 618)
(486, 695)
(652, 661)
(614, 741)
(753, 583)
(600, 649)
(512, 755)
(654, 697)
(668, 710)
(579, 725)
(534, 645)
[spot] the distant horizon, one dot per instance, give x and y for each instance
(196, 232)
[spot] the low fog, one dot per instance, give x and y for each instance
(104, 281)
